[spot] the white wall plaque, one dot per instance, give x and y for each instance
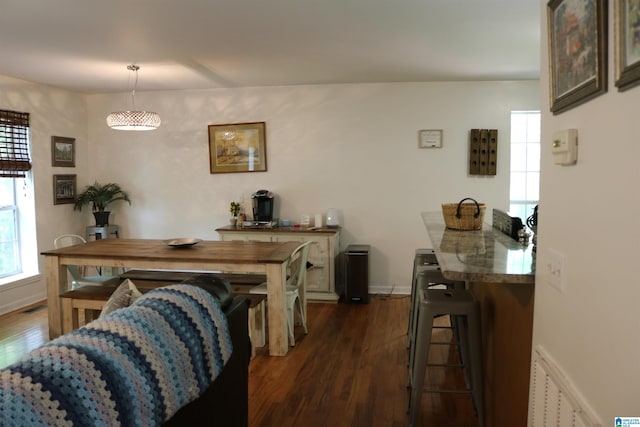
(430, 138)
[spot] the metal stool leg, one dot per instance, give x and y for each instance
(425, 324)
(475, 344)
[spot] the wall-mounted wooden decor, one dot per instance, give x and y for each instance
(483, 151)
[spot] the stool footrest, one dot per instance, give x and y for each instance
(439, 390)
(447, 365)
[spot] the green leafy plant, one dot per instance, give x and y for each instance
(99, 196)
(234, 208)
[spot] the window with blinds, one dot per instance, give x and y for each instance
(14, 144)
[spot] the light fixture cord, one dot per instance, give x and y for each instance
(135, 69)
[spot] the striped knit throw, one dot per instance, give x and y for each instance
(136, 366)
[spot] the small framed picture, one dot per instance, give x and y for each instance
(238, 147)
(64, 189)
(63, 151)
(430, 138)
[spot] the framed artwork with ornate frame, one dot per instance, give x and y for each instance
(63, 151)
(240, 147)
(627, 44)
(577, 51)
(64, 189)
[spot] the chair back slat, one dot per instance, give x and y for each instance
(297, 265)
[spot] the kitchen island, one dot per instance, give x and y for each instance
(501, 274)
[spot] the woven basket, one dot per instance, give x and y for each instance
(464, 216)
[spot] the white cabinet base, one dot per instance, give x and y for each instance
(322, 255)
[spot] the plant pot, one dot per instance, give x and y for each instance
(102, 218)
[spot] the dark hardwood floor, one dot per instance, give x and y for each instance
(350, 370)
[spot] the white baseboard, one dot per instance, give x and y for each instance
(390, 290)
(22, 293)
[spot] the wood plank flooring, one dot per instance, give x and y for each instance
(21, 332)
(350, 370)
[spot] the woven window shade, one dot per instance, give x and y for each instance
(14, 144)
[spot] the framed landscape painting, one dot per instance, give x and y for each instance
(577, 51)
(63, 151)
(64, 189)
(238, 148)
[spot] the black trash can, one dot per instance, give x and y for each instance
(355, 274)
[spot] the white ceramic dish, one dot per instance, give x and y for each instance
(183, 242)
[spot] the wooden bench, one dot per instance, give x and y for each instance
(80, 306)
(83, 305)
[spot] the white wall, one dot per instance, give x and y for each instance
(588, 212)
(352, 147)
(53, 112)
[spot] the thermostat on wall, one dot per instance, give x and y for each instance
(565, 147)
(430, 138)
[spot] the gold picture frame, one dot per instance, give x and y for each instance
(577, 51)
(64, 189)
(240, 147)
(63, 151)
(627, 44)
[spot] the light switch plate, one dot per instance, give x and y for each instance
(554, 269)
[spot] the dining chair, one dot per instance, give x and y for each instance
(78, 277)
(296, 276)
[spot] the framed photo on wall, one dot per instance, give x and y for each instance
(64, 189)
(238, 147)
(627, 44)
(577, 51)
(63, 151)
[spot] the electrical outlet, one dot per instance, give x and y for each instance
(555, 269)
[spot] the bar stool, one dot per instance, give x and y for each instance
(424, 260)
(459, 303)
(426, 270)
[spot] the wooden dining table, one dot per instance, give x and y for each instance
(268, 258)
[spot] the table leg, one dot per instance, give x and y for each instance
(277, 312)
(56, 275)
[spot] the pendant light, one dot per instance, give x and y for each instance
(133, 120)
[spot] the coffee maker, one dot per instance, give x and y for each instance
(263, 205)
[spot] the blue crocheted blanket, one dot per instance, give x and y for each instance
(133, 367)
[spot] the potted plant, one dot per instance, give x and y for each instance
(234, 208)
(99, 196)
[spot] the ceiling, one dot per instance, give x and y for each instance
(85, 46)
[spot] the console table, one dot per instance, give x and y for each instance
(322, 255)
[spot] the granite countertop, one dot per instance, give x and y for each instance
(485, 255)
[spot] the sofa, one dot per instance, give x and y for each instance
(178, 356)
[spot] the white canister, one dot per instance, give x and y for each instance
(332, 217)
(318, 220)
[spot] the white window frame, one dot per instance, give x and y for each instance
(524, 171)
